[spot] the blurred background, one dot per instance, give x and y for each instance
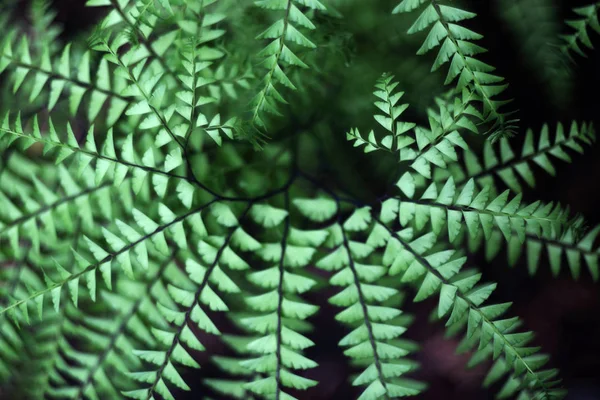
(563, 312)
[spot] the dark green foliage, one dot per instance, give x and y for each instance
(171, 196)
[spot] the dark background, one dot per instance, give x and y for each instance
(564, 313)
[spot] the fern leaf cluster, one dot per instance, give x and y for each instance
(460, 298)
(587, 18)
(161, 232)
(58, 74)
(512, 169)
(456, 47)
(278, 56)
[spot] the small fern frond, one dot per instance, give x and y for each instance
(145, 85)
(278, 56)
(449, 206)
(588, 19)
(118, 253)
(387, 102)
(191, 102)
(438, 145)
(107, 163)
(40, 71)
(370, 305)
(141, 21)
(435, 146)
(501, 161)
(279, 312)
(196, 295)
(458, 49)
(576, 243)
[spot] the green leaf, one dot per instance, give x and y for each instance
(318, 210)
(267, 216)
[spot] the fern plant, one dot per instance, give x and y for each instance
(176, 209)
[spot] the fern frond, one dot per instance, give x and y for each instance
(48, 210)
(141, 21)
(575, 242)
(434, 146)
(501, 161)
(462, 299)
(143, 239)
(107, 164)
(449, 206)
(154, 49)
(119, 253)
(147, 88)
(568, 244)
(279, 311)
(387, 102)
(438, 145)
(373, 340)
(192, 102)
(25, 224)
(458, 49)
(195, 294)
(369, 309)
(277, 56)
(96, 344)
(104, 91)
(588, 19)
